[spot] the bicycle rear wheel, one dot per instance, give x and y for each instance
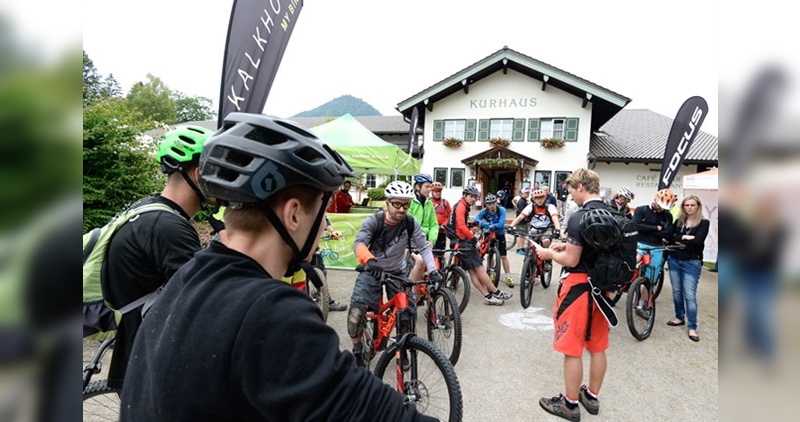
(458, 282)
(321, 297)
(493, 265)
(444, 324)
(659, 284)
(526, 280)
(640, 321)
(546, 277)
(426, 378)
(100, 402)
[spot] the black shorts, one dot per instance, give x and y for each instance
(469, 258)
(501, 244)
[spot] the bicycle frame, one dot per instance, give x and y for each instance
(95, 366)
(386, 318)
(487, 241)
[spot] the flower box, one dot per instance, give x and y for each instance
(551, 143)
(452, 142)
(499, 142)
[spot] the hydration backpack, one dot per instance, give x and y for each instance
(377, 237)
(99, 318)
(616, 258)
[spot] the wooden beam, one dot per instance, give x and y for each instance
(545, 78)
(428, 104)
(505, 66)
(466, 86)
(586, 99)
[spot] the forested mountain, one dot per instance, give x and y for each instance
(340, 106)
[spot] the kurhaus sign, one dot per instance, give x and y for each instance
(503, 102)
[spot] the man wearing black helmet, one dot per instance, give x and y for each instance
(227, 340)
(147, 250)
(576, 327)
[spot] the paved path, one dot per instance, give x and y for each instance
(507, 359)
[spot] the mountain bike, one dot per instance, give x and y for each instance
(644, 289)
(487, 247)
(533, 266)
(442, 317)
(100, 402)
(456, 278)
(420, 371)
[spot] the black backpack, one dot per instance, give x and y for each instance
(614, 267)
(378, 235)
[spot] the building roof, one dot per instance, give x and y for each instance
(640, 136)
(605, 103)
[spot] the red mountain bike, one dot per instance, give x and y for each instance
(421, 372)
(533, 266)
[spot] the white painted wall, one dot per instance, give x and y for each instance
(639, 178)
(549, 103)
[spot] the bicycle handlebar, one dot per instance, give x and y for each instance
(675, 247)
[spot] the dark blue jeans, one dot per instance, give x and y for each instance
(684, 275)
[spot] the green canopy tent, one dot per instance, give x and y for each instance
(363, 150)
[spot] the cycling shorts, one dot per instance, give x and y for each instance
(570, 317)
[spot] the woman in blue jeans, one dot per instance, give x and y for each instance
(685, 265)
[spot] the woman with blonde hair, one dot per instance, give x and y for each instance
(685, 265)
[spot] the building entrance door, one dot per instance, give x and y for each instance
(505, 180)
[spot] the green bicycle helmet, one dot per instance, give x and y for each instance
(181, 147)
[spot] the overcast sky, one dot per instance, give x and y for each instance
(386, 51)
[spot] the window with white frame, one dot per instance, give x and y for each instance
(454, 129)
(501, 128)
(552, 129)
(369, 181)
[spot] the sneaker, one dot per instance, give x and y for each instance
(642, 313)
(492, 300)
(336, 306)
(592, 405)
(502, 295)
(510, 282)
(521, 252)
(558, 406)
(547, 266)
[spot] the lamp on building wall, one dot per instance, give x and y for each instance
(527, 173)
(472, 172)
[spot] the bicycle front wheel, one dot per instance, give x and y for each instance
(526, 280)
(640, 317)
(458, 282)
(493, 265)
(547, 276)
(100, 402)
(444, 324)
(424, 376)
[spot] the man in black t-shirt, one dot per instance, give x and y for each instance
(148, 249)
(227, 339)
(579, 323)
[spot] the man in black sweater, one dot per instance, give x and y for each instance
(654, 223)
(227, 340)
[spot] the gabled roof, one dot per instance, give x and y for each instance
(605, 103)
(640, 136)
(500, 153)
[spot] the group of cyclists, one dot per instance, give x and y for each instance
(276, 181)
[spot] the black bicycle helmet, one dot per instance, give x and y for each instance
(471, 190)
(254, 155)
(600, 230)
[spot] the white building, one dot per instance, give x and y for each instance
(515, 97)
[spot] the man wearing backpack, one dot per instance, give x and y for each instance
(380, 246)
(442, 208)
(579, 323)
(227, 340)
(541, 216)
(147, 250)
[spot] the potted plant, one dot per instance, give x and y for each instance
(499, 142)
(552, 143)
(452, 142)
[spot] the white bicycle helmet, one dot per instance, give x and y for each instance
(626, 193)
(399, 190)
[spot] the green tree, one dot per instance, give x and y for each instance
(153, 99)
(110, 88)
(190, 109)
(91, 80)
(118, 167)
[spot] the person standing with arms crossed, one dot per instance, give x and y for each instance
(571, 314)
(443, 209)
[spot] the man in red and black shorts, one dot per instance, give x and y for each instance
(576, 326)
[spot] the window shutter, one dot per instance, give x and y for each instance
(438, 130)
(483, 129)
(533, 130)
(469, 129)
(519, 130)
(571, 132)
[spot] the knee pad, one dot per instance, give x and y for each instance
(355, 320)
